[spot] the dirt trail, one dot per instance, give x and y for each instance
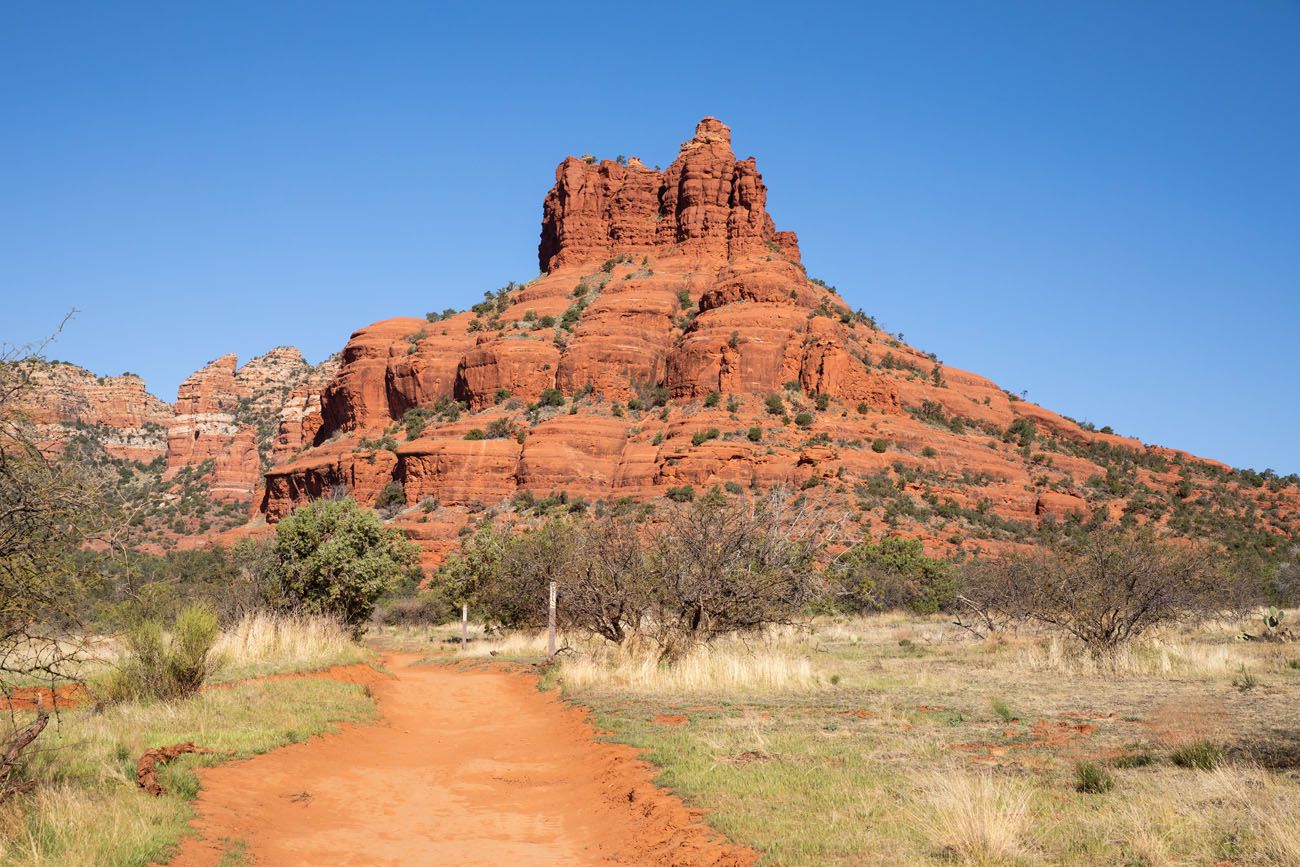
(464, 768)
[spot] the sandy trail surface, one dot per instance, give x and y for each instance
(464, 767)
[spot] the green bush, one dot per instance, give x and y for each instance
(429, 608)
(684, 494)
(702, 436)
(803, 419)
(551, 397)
(880, 446)
(337, 559)
(391, 499)
(774, 404)
(755, 434)
(157, 667)
(415, 420)
(890, 574)
(713, 398)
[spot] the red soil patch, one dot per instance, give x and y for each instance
(1183, 720)
(671, 719)
(27, 697)
(467, 767)
(1043, 734)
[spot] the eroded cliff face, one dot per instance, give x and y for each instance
(228, 425)
(69, 401)
(240, 418)
(689, 347)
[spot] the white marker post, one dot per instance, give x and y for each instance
(464, 625)
(550, 625)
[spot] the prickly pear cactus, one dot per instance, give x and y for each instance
(1273, 618)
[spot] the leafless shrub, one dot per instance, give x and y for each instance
(1104, 586)
(46, 508)
(716, 566)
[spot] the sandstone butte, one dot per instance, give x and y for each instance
(668, 312)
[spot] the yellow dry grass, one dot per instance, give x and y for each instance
(720, 668)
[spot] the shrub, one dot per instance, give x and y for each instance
(1135, 760)
(803, 419)
(1022, 431)
(702, 436)
(430, 608)
(879, 445)
(156, 667)
(1105, 586)
(775, 406)
(683, 494)
(863, 409)
(1003, 710)
(755, 434)
(500, 428)
(337, 559)
(823, 401)
(1091, 779)
(391, 499)
(551, 397)
(893, 573)
(415, 419)
(713, 398)
(929, 452)
(475, 433)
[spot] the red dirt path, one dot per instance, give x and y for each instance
(464, 768)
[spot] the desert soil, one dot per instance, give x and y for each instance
(464, 767)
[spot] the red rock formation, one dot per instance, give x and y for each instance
(224, 429)
(706, 203)
(128, 420)
(675, 286)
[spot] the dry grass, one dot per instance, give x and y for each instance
(263, 643)
(1154, 658)
(718, 669)
(978, 817)
(896, 752)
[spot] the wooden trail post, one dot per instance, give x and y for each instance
(464, 625)
(550, 625)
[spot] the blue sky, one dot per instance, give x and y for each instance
(1096, 201)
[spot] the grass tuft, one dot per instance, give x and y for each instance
(980, 818)
(1091, 779)
(1200, 755)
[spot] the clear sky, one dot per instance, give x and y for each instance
(1095, 201)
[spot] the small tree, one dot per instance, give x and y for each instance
(337, 559)
(722, 565)
(1105, 585)
(890, 574)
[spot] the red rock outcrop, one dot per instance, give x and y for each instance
(228, 424)
(692, 349)
(66, 400)
(706, 203)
